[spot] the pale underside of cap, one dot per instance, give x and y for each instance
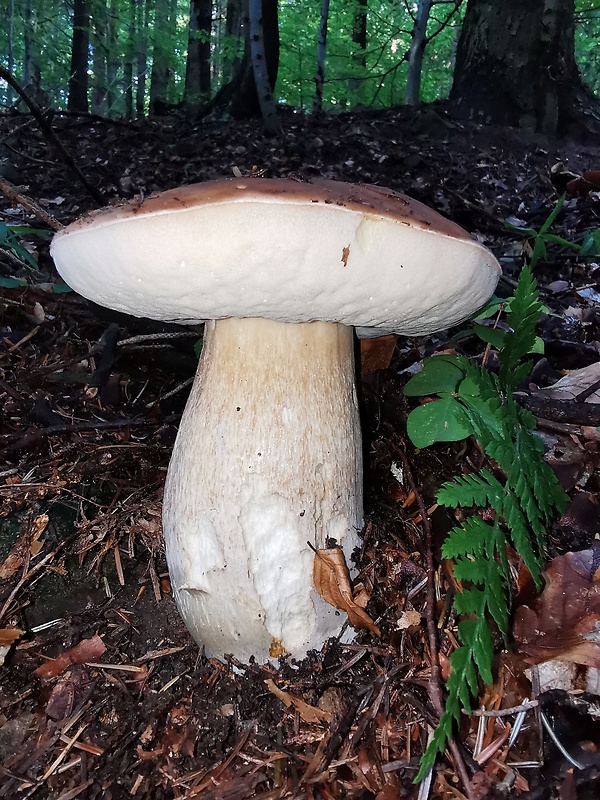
(280, 250)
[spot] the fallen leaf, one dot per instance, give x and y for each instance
(332, 582)
(408, 619)
(8, 636)
(573, 384)
(562, 622)
(85, 650)
(377, 353)
(27, 543)
(307, 712)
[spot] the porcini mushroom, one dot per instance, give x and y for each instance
(267, 462)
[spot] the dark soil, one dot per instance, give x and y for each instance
(87, 423)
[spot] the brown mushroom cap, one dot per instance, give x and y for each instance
(279, 249)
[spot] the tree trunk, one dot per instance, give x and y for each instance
(10, 58)
(112, 58)
(266, 100)
(359, 39)
(197, 73)
(516, 66)
(245, 102)
(321, 53)
(234, 24)
(32, 74)
(78, 77)
(159, 79)
(129, 58)
(416, 52)
(141, 49)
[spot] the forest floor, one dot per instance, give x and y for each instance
(103, 693)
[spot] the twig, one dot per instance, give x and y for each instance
(12, 193)
(503, 712)
(435, 684)
(56, 430)
(555, 410)
(48, 132)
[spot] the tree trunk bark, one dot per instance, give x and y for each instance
(266, 101)
(10, 58)
(197, 73)
(359, 39)
(78, 77)
(234, 31)
(141, 49)
(516, 66)
(32, 74)
(98, 34)
(159, 80)
(129, 58)
(245, 102)
(321, 53)
(416, 52)
(112, 57)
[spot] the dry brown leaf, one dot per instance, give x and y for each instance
(562, 622)
(9, 636)
(307, 712)
(332, 582)
(28, 542)
(575, 382)
(86, 650)
(377, 353)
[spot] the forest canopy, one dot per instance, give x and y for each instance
(126, 58)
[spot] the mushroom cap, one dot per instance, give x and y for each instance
(279, 249)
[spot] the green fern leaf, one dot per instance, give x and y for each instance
(476, 489)
(522, 319)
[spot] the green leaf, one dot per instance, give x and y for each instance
(11, 283)
(439, 421)
(492, 307)
(439, 374)
(493, 336)
(551, 219)
(61, 288)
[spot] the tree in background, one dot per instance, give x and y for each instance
(516, 66)
(78, 78)
(245, 100)
(419, 41)
(162, 50)
(197, 73)
(321, 53)
(359, 42)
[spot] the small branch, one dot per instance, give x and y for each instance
(35, 435)
(50, 135)
(11, 192)
(568, 411)
(503, 712)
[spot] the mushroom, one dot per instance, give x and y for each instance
(267, 465)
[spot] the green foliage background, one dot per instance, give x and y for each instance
(382, 83)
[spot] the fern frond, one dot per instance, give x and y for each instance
(523, 317)
(476, 489)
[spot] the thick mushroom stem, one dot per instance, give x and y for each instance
(267, 464)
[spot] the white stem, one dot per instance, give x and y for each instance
(267, 463)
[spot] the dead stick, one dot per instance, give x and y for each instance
(12, 193)
(48, 132)
(435, 685)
